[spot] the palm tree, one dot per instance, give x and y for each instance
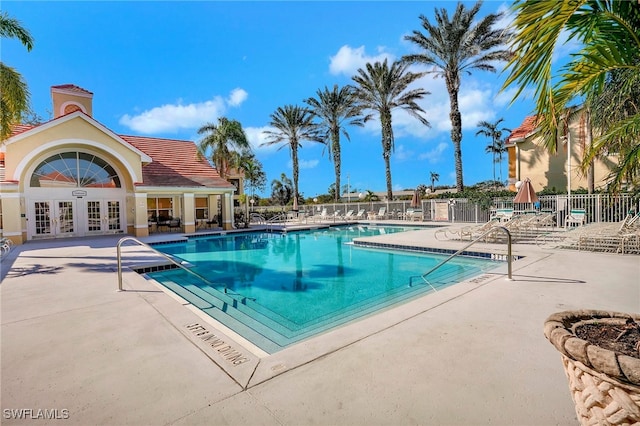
(434, 178)
(14, 93)
(615, 104)
(227, 142)
(453, 47)
(381, 89)
(608, 35)
(496, 147)
(335, 108)
(293, 124)
(281, 190)
(254, 175)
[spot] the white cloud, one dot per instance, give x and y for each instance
(237, 97)
(257, 137)
(174, 117)
(308, 164)
(304, 164)
(348, 60)
(434, 155)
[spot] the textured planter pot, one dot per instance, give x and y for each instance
(605, 385)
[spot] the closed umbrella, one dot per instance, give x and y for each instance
(526, 194)
(415, 200)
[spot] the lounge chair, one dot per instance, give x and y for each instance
(360, 215)
(416, 215)
(348, 215)
(322, 216)
(469, 232)
(503, 215)
(381, 213)
(577, 217)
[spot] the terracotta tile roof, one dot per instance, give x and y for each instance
(175, 163)
(528, 125)
(72, 88)
(20, 128)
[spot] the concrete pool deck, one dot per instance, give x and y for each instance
(470, 354)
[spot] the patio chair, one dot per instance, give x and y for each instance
(348, 215)
(174, 223)
(381, 213)
(5, 246)
(360, 215)
(416, 216)
(322, 216)
(469, 232)
(503, 215)
(577, 217)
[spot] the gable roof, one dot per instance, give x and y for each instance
(175, 163)
(528, 127)
(72, 88)
(166, 162)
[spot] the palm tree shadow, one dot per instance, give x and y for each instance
(33, 269)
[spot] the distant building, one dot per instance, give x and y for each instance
(72, 176)
(528, 158)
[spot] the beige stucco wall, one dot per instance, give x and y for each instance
(60, 99)
(530, 159)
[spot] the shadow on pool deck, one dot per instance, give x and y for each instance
(471, 354)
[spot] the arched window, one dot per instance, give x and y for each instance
(74, 170)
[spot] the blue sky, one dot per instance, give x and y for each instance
(166, 68)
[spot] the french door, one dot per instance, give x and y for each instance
(55, 218)
(103, 216)
(75, 217)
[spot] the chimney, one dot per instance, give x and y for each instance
(68, 98)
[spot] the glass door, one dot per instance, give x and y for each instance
(54, 218)
(65, 223)
(42, 218)
(104, 216)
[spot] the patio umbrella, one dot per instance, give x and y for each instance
(526, 194)
(415, 200)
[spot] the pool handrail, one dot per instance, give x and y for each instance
(494, 229)
(169, 258)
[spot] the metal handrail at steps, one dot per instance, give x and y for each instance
(169, 258)
(490, 231)
(280, 218)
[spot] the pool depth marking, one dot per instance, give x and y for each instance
(223, 348)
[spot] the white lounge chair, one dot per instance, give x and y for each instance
(360, 215)
(576, 217)
(381, 213)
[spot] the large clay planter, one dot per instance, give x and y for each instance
(605, 385)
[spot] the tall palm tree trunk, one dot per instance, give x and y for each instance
(456, 134)
(335, 144)
(294, 163)
(494, 167)
(387, 146)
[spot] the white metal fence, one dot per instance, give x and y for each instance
(598, 207)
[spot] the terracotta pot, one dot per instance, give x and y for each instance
(605, 385)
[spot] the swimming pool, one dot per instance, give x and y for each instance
(278, 289)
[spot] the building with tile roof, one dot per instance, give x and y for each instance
(72, 176)
(528, 158)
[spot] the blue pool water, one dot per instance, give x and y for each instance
(278, 289)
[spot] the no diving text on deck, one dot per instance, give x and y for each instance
(224, 349)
